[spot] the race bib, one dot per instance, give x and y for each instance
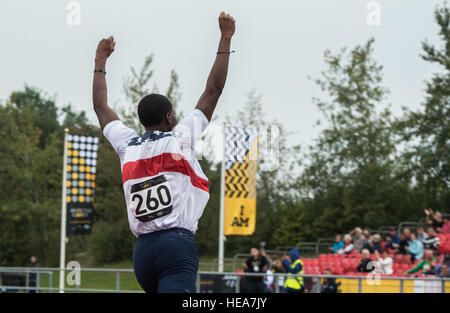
(151, 199)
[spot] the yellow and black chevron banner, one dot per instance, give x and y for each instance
(240, 180)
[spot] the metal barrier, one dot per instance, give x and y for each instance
(215, 263)
(231, 282)
(225, 282)
(324, 244)
(50, 270)
(411, 225)
(307, 248)
(27, 273)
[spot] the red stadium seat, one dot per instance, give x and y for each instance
(407, 258)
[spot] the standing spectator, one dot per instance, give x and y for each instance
(268, 280)
(348, 246)
(357, 238)
(415, 248)
(432, 241)
(315, 287)
(294, 267)
(329, 284)
(394, 238)
(338, 244)
(403, 245)
(274, 258)
(421, 234)
(278, 268)
(364, 262)
(434, 220)
(33, 276)
(255, 264)
(427, 265)
(384, 263)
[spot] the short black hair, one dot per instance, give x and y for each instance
(152, 109)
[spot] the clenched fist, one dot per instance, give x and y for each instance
(226, 24)
(105, 48)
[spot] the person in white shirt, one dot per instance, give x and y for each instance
(165, 188)
(384, 264)
(348, 245)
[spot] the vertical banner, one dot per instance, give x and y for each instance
(80, 183)
(241, 145)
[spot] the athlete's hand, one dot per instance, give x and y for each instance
(105, 48)
(226, 24)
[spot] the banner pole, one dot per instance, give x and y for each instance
(222, 204)
(62, 256)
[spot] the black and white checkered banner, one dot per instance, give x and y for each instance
(240, 161)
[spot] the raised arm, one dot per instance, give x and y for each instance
(104, 112)
(218, 75)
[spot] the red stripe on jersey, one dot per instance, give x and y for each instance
(165, 162)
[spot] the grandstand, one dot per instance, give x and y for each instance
(345, 264)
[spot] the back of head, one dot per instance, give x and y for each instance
(294, 253)
(152, 109)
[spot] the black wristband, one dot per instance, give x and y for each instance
(229, 52)
(99, 70)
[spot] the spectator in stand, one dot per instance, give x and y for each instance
(367, 240)
(403, 245)
(348, 246)
(384, 263)
(427, 266)
(415, 248)
(394, 238)
(444, 271)
(432, 241)
(407, 233)
(388, 245)
(364, 262)
(421, 234)
(357, 238)
(446, 227)
(255, 264)
(375, 244)
(434, 220)
(329, 285)
(338, 244)
(444, 262)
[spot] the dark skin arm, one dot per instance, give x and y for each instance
(105, 113)
(218, 75)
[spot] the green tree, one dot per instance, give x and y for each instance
(350, 175)
(427, 130)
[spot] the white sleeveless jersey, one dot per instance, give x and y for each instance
(163, 182)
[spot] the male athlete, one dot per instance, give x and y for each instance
(165, 188)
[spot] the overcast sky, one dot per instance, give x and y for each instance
(278, 45)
